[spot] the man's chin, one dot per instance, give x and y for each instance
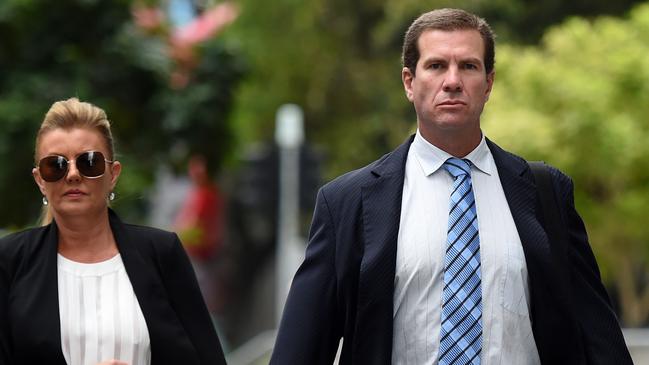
(453, 124)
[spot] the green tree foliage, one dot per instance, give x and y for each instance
(93, 50)
(340, 60)
(576, 101)
(580, 101)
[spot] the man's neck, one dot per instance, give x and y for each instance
(457, 143)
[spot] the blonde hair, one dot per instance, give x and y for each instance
(69, 114)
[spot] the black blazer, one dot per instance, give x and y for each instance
(163, 280)
(345, 286)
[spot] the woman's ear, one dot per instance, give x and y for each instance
(115, 171)
(39, 180)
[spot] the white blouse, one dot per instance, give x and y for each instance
(100, 316)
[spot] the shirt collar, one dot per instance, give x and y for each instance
(431, 158)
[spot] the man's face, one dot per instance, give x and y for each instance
(450, 86)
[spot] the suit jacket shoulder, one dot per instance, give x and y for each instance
(351, 181)
(347, 187)
(14, 245)
(153, 243)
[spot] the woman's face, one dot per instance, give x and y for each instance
(74, 194)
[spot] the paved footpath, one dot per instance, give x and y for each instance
(637, 339)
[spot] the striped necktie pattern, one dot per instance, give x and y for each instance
(461, 332)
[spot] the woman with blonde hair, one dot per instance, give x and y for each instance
(86, 288)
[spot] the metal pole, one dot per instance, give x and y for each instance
(289, 135)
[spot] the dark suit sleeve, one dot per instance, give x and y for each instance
(600, 330)
(187, 301)
(4, 307)
(310, 330)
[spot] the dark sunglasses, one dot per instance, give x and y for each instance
(91, 164)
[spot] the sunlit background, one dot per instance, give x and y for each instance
(180, 78)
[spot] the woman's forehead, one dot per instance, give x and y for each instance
(71, 141)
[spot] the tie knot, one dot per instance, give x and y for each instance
(457, 167)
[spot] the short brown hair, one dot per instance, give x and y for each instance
(447, 20)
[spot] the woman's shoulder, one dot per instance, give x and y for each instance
(20, 239)
(17, 247)
(146, 239)
(150, 238)
(148, 231)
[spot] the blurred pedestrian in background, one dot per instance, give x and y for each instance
(200, 226)
(86, 288)
(199, 222)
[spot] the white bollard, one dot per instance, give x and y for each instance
(289, 135)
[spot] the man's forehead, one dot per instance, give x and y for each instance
(466, 42)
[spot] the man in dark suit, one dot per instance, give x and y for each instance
(437, 253)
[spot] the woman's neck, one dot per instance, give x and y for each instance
(86, 238)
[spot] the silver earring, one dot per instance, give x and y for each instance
(111, 196)
(45, 202)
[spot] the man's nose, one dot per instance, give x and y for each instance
(452, 80)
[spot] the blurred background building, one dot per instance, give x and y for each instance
(180, 78)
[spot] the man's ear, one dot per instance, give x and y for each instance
(490, 83)
(406, 77)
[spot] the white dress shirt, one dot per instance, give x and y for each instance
(100, 316)
(421, 247)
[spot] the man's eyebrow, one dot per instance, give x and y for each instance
(471, 59)
(434, 59)
(444, 59)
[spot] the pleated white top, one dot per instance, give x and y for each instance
(100, 316)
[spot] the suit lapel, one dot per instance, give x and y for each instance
(550, 320)
(43, 307)
(381, 201)
(142, 262)
(148, 288)
(520, 191)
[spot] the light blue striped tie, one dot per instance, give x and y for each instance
(461, 334)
